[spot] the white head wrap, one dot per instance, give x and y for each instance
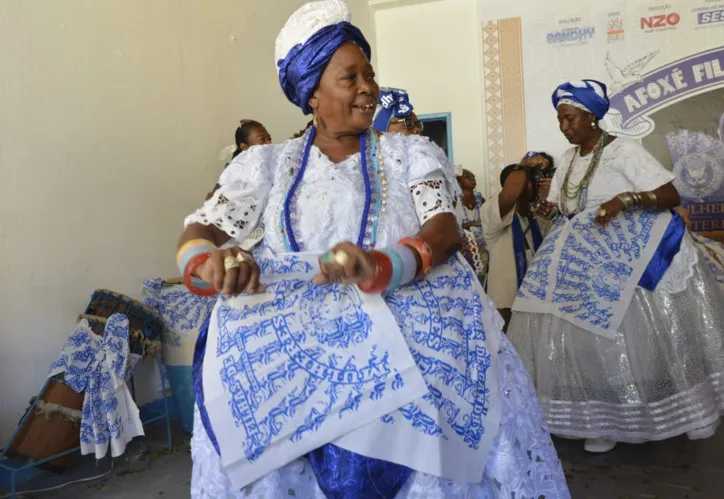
(306, 21)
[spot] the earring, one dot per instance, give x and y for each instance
(593, 125)
(314, 121)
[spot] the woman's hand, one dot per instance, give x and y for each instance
(243, 277)
(351, 265)
(543, 209)
(608, 211)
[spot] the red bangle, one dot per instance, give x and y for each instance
(188, 274)
(383, 274)
(423, 249)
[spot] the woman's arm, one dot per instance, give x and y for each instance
(662, 198)
(208, 232)
(442, 235)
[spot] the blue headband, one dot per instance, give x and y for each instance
(302, 68)
(589, 95)
(392, 102)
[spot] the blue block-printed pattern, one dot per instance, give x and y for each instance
(441, 319)
(98, 366)
(289, 354)
(595, 264)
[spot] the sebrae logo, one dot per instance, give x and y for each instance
(660, 22)
(710, 17)
(615, 31)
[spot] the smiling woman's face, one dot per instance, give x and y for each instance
(346, 98)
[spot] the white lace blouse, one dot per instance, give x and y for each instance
(625, 166)
(331, 195)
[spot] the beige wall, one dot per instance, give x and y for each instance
(431, 49)
(112, 115)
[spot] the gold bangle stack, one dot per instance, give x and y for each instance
(631, 200)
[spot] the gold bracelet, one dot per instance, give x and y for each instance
(627, 199)
(653, 202)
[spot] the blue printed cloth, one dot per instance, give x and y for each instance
(301, 366)
(586, 274)
(99, 366)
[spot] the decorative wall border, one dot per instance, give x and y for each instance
(504, 96)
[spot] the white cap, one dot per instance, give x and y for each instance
(306, 21)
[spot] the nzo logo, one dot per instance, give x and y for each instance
(660, 21)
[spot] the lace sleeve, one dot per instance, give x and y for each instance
(431, 179)
(237, 205)
(641, 168)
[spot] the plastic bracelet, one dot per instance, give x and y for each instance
(398, 267)
(423, 249)
(190, 253)
(382, 277)
(191, 244)
(189, 279)
(409, 262)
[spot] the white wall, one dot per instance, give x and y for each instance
(432, 50)
(111, 118)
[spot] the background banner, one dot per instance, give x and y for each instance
(664, 67)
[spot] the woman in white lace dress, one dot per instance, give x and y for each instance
(619, 320)
(479, 418)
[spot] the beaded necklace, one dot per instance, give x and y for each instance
(375, 183)
(580, 190)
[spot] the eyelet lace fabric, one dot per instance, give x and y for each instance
(331, 195)
(523, 463)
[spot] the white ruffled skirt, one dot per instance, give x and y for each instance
(522, 464)
(662, 376)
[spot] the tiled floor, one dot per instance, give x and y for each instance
(674, 469)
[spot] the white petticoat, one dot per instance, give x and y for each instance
(522, 463)
(661, 376)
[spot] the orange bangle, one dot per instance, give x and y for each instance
(423, 249)
(382, 277)
(188, 276)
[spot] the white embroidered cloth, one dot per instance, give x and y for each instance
(100, 366)
(300, 365)
(586, 274)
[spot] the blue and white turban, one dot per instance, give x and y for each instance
(393, 102)
(306, 44)
(587, 95)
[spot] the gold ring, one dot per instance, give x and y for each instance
(603, 212)
(241, 258)
(230, 263)
(341, 258)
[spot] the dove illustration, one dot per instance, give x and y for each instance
(622, 78)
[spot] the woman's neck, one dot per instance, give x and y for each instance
(469, 198)
(589, 144)
(337, 147)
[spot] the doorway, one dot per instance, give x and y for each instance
(438, 128)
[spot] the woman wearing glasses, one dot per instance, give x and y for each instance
(395, 113)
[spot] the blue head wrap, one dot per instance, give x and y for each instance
(307, 43)
(393, 102)
(588, 95)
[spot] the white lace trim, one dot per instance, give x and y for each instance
(676, 278)
(430, 197)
